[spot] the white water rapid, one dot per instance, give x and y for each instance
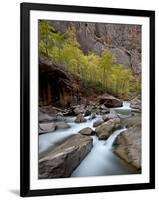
(51, 139)
(101, 160)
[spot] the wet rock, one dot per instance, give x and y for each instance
(105, 130)
(47, 127)
(98, 122)
(93, 116)
(52, 126)
(62, 125)
(86, 131)
(87, 113)
(79, 109)
(44, 117)
(59, 116)
(63, 160)
(80, 118)
(104, 109)
(128, 146)
(110, 101)
(110, 116)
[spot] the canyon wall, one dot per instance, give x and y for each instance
(123, 40)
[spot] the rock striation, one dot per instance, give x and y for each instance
(128, 146)
(62, 160)
(105, 130)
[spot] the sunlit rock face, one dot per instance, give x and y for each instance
(124, 41)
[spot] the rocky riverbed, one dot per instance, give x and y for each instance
(80, 141)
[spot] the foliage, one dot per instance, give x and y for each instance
(99, 72)
(49, 39)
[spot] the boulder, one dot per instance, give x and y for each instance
(62, 160)
(86, 131)
(93, 116)
(105, 130)
(87, 113)
(128, 146)
(78, 109)
(104, 109)
(47, 127)
(109, 116)
(44, 117)
(136, 104)
(110, 101)
(52, 126)
(80, 118)
(60, 116)
(98, 122)
(62, 125)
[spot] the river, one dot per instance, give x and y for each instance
(101, 160)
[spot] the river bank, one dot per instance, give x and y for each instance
(96, 158)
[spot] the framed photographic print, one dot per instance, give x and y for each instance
(87, 99)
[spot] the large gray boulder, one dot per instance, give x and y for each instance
(110, 101)
(47, 127)
(105, 130)
(128, 146)
(86, 131)
(63, 160)
(62, 125)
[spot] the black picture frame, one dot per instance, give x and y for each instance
(25, 9)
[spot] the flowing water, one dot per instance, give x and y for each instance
(126, 105)
(101, 160)
(51, 139)
(125, 109)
